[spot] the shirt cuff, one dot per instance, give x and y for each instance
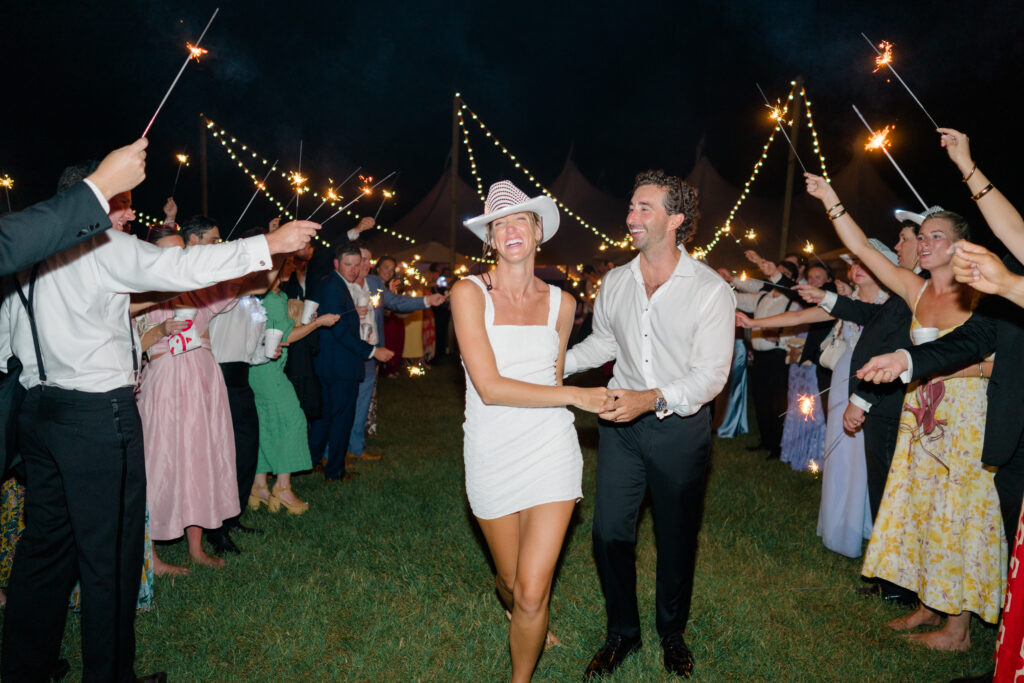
(672, 401)
(570, 366)
(99, 195)
(860, 403)
(830, 300)
(776, 277)
(373, 350)
(426, 304)
(907, 374)
(259, 251)
(352, 235)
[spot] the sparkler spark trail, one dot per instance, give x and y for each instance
(182, 161)
(364, 191)
(259, 186)
(885, 59)
(878, 141)
(329, 195)
(806, 404)
(7, 183)
(776, 116)
(809, 249)
(196, 51)
(191, 55)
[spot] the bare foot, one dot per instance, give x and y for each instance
(941, 640)
(922, 616)
(203, 558)
(161, 568)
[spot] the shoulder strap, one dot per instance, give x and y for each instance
(488, 304)
(555, 303)
(918, 299)
(27, 303)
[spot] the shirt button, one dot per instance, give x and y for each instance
(262, 262)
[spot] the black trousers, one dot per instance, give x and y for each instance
(670, 457)
(1009, 481)
(246, 425)
(85, 506)
(769, 381)
(880, 435)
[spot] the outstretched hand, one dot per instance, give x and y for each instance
(810, 293)
(818, 188)
(958, 147)
(978, 267)
(291, 237)
(744, 321)
(121, 170)
(885, 368)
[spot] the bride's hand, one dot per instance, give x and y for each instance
(590, 399)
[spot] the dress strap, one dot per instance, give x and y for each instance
(554, 304)
(918, 299)
(488, 303)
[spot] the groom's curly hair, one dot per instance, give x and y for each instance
(680, 197)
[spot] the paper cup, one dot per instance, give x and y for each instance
(185, 313)
(271, 339)
(923, 335)
(308, 309)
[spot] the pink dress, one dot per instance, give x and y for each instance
(186, 424)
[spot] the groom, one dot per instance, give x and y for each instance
(668, 322)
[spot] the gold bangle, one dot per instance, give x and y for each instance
(832, 208)
(968, 176)
(981, 372)
(984, 191)
(836, 216)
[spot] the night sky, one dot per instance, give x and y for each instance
(623, 85)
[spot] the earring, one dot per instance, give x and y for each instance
(538, 248)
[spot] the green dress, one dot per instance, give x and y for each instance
(283, 443)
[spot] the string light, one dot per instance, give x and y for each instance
(778, 116)
(622, 243)
(330, 197)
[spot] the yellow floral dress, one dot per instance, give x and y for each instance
(939, 530)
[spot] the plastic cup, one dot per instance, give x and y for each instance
(923, 335)
(308, 309)
(185, 313)
(271, 339)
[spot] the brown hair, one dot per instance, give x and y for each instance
(680, 197)
(961, 230)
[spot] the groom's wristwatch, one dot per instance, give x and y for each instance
(660, 404)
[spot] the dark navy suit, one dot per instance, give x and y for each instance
(340, 365)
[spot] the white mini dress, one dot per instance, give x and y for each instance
(515, 457)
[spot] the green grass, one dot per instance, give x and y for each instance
(386, 579)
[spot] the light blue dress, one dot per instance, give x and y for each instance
(844, 519)
(735, 421)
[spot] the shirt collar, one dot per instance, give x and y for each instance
(684, 268)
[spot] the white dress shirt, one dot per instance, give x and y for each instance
(679, 341)
(763, 304)
(81, 304)
(236, 335)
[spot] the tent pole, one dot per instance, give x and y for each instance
(787, 206)
(453, 182)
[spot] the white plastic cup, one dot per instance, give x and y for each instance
(271, 340)
(308, 309)
(185, 313)
(923, 335)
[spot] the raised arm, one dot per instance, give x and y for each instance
(978, 267)
(468, 315)
(1004, 219)
(900, 281)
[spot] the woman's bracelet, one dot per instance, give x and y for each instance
(984, 191)
(968, 176)
(981, 372)
(832, 208)
(834, 217)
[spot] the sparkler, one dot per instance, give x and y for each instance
(182, 161)
(751, 235)
(809, 249)
(385, 195)
(259, 186)
(7, 183)
(880, 140)
(884, 58)
(375, 300)
(298, 180)
(363, 192)
(416, 371)
(813, 467)
(776, 116)
(194, 52)
(329, 195)
(806, 405)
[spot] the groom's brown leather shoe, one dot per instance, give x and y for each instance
(611, 654)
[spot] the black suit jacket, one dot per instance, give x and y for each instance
(816, 333)
(43, 229)
(886, 328)
(996, 325)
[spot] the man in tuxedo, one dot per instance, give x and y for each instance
(74, 215)
(340, 365)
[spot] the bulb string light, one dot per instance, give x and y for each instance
(226, 140)
(779, 116)
(463, 107)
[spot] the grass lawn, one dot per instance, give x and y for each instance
(386, 579)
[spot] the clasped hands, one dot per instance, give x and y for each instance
(618, 405)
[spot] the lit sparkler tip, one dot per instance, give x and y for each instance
(880, 139)
(813, 467)
(297, 179)
(885, 58)
(366, 190)
(6, 182)
(751, 235)
(808, 247)
(182, 158)
(743, 275)
(806, 404)
(196, 52)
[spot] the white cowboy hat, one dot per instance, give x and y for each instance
(904, 215)
(504, 199)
